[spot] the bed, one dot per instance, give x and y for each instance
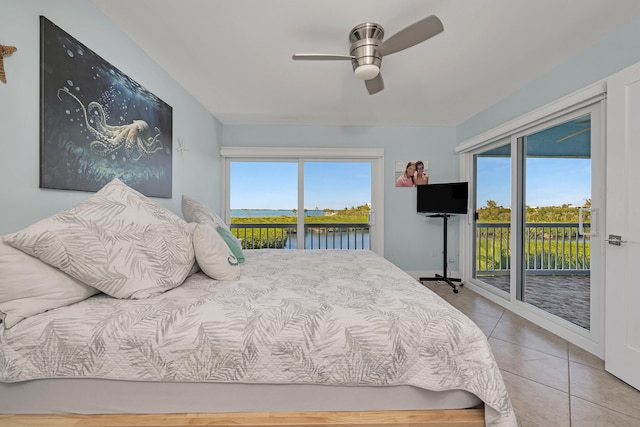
(286, 333)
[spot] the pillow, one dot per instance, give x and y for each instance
(213, 255)
(194, 211)
(194, 267)
(233, 242)
(28, 286)
(117, 241)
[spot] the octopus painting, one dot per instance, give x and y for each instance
(112, 138)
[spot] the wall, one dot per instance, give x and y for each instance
(409, 238)
(610, 54)
(196, 172)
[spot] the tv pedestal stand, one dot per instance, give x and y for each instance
(443, 278)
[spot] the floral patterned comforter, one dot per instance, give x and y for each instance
(313, 317)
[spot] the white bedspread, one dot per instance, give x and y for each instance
(314, 317)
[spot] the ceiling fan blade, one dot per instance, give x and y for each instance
(375, 84)
(574, 134)
(320, 57)
(411, 35)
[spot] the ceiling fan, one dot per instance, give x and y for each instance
(368, 49)
(578, 132)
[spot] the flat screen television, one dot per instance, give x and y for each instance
(447, 198)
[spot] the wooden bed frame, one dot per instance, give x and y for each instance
(430, 418)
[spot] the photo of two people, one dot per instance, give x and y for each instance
(411, 174)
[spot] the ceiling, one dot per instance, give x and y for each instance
(234, 56)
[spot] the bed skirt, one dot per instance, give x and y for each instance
(100, 396)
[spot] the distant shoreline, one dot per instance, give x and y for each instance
(259, 213)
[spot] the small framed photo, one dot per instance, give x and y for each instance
(411, 173)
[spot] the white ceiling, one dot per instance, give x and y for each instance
(234, 56)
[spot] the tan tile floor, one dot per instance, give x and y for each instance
(551, 382)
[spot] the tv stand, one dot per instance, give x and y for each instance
(443, 278)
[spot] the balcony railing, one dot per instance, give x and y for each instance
(553, 248)
(317, 236)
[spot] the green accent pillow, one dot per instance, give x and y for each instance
(233, 243)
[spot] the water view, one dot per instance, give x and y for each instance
(257, 213)
(277, 228)
(339, 239)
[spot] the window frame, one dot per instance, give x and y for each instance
(375, 156)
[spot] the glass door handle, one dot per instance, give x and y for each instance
(372, 218)
(594, 231)
(615, 240)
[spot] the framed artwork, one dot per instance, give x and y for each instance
(96, 123)
(411, 173)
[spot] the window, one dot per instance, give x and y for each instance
(313, 198)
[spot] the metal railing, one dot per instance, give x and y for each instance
(261, 236)
(317, 236)
(554, 248)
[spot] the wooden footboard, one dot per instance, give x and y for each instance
(432, 418)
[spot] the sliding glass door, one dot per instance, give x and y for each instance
(337, 203)
(536, 217)
(493, 217)
(556, 241)
(305, 198)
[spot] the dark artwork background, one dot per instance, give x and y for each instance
(97, 124)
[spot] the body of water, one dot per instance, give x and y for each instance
(330, 240)
(314, 239)
(255, 213)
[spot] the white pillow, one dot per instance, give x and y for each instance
(213, 255)
(117, 241)
(28, 286)
(194, 211)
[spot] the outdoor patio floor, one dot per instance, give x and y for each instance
(567, 295)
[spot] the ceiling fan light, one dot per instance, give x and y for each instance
(366, 71)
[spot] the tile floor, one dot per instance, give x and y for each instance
(551, 382)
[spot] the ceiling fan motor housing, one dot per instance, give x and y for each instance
(365, 38)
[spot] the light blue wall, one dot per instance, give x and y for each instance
(409, 237)
(617, 50)
(197, 171)
(21, 201)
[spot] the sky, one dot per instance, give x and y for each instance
(339, 185)
(549, 181)
(274, 185)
